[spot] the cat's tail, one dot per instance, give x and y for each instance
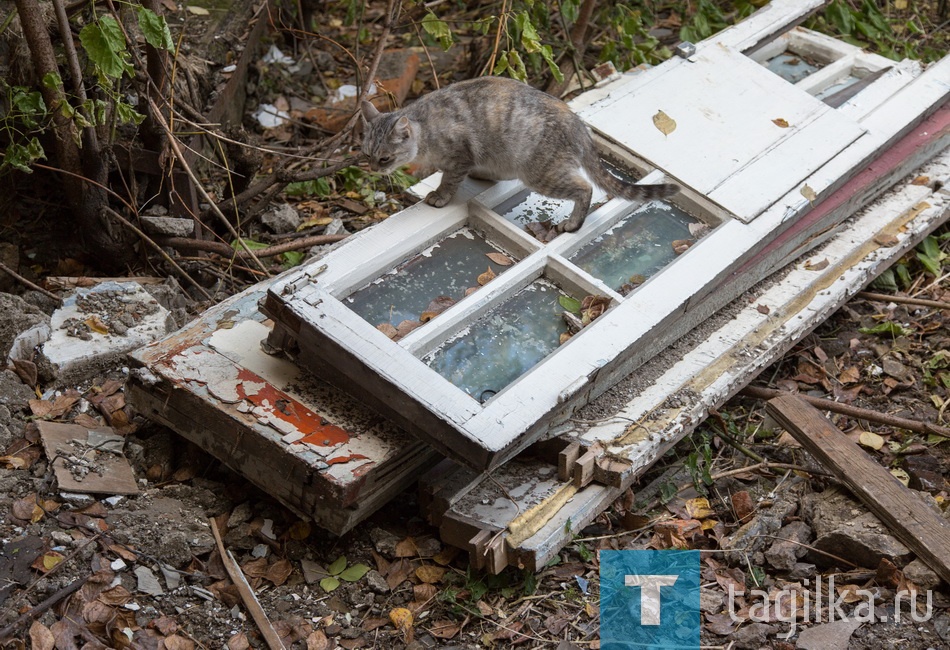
(632, 192)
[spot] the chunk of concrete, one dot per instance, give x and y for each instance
(844, 528)
(281, 219)
(827, 636)
(95, 327)
(22, 327)
(169, 226)
(786, 551)
(921, 575)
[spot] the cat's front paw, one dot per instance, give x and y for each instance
(437, 200)
(568, 225)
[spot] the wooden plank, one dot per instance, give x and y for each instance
(911, 520)
(703, 151)
(566, 460)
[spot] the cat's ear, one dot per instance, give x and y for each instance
(369, 112)
(402, 127)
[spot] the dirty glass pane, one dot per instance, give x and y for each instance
(528, 206)
(447, 268)
(638, 246)
(847, 82)
(505, 343)
(791, 67)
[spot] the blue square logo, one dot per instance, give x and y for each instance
(649, 600)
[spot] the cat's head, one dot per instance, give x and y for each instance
(389, 141)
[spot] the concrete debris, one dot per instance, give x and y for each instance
(281, 219)
(168, 226)
(147, 582)
(844, 528)
(921, 575)
(786, 551)
(828, 636)
(96, 326)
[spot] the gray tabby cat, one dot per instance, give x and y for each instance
(497, 129)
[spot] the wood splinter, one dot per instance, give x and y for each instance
(247, 594)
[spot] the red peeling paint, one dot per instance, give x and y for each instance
(345, 459)
(317, 431)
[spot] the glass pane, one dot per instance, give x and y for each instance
(638, 246)
(448, 268)
(505, 343)
(791, 67)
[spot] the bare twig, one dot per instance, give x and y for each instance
(181, 243)
(916, 426)
(19, 278)
(904, 300)
(74, 586)
(148, 240)
(247, 594)
(176, 149)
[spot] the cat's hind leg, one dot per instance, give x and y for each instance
(573, 188)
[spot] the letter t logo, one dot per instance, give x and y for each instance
(649, 595)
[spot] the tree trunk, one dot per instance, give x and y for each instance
(84, 194)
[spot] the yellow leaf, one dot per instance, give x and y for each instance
(299, 531)
(901, 476)
(198, 11)
(808, 193)
(664, 123)
(871, 439)
(316, 221)
(401, 618)
(51, 559)
(430, 573)
(900, 4)
(780, 122)
(699, 508)
(96, 325)
(486, 277)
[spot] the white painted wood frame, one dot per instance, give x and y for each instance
(770, 187)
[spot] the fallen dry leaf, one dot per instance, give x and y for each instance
(239, 642)
(763, 309)
(664, 123)
(388, 330)
(40, 637)
(279, 571)
(402, 620)
(499, 258)
(406, 547)
(430, 573)
(817, 266)
(176, 642)
(809, 193)
(871, 440)
(780, 122)
(317, 641)
(445, 629)
(96, 325)
(486, 277)
(424, 592)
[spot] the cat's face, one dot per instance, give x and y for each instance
(388, 141)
